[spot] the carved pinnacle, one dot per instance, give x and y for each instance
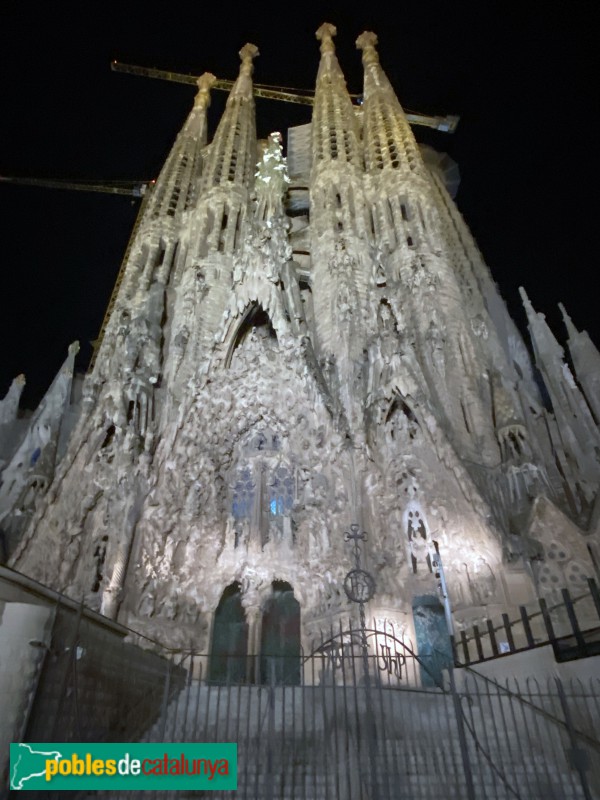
(366, 42)
(571, 329)
(526, 301)
(324, 35)
(204, 83)
(247, 54)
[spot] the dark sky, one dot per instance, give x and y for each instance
(520, 76)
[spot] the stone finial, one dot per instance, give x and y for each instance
(526, 302)
(325, 35)
(204, 83)
(247, 54)
(367, 42)
(571, 329)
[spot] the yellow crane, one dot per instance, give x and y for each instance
(447, 123)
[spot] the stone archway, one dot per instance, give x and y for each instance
(228, 654)
(280, 637)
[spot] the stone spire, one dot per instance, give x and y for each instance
(335, 134)
(31, 468)
(389, 141)
(9, 405)
(578, 431)
(217, 231)
(586, 360)
(176, 187)
(230, 164)
(232, 157)
(340, 255)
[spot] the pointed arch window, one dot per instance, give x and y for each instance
(262, 490)
(281, 492)
(243, 495)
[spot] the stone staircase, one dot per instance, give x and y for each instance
(318, 743)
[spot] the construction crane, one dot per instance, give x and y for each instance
(446, 124)
(127, 188)
(139, 189)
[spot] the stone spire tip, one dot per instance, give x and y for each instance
(247, 54)
(204, 84)
(526, 301)
(532, 314)
(325, 35)
(367, 41)
(571, 329)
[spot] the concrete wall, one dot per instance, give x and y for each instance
(538, 663)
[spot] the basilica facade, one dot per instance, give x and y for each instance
(297, 346)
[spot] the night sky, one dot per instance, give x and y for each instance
(519, 75)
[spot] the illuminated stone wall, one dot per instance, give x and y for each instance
(273, 371)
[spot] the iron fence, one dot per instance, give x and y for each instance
(346, 726)
(341, 722)
(570, 625)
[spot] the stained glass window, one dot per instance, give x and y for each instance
(243, 495)
(281, 492)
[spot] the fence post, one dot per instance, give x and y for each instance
(165, 702)
(578, 758)
(70, 665)
(462, 739)
(268, 789)
(566, 595)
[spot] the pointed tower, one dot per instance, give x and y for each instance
(9, 424)
(177, 187)
(574, 433)
(214, 231)
(586, 361)
(27, 474)
(416, 279)
(340, 256)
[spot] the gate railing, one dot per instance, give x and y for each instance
(571, 626)
(334, 723)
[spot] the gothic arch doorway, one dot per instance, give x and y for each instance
(229, 639)
(280, 637)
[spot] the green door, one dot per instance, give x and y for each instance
(280, 638)
(433, 640)
(229, 651)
